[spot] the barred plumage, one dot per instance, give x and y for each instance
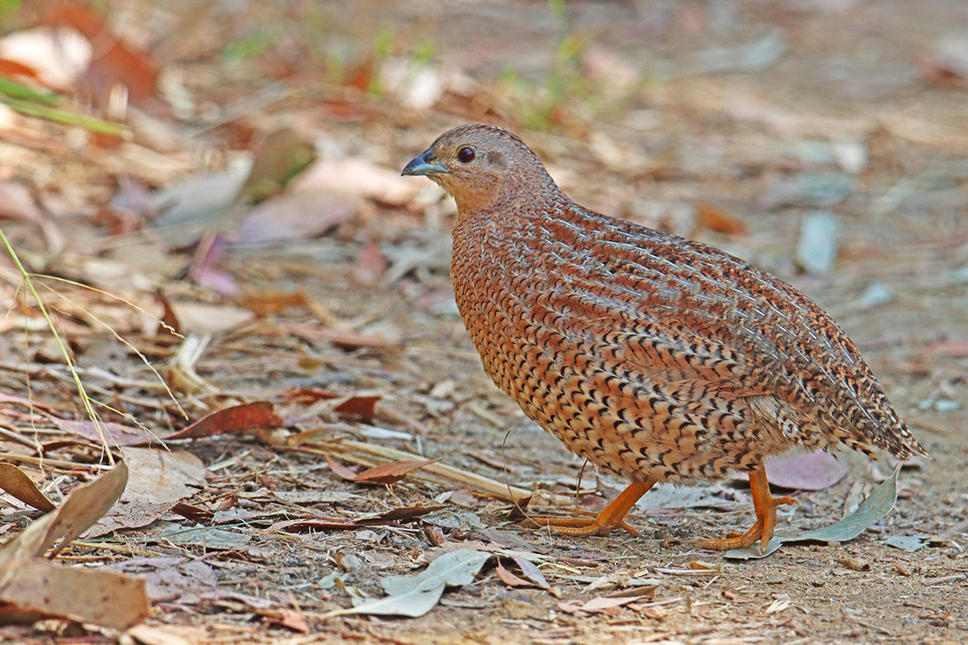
(655, 357)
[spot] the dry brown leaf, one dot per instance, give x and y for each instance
(158, 480)
(533, 573)
(169, 319)
(288, 618)
(204, 319)
(238, 418)
(115, 433)
(509, 578)
(29, 581)
(85, 506)
(340, 469)
(358, 407)
(17, 483)
(390, 473)
(116, 61)
(263, 303)
(309, 395)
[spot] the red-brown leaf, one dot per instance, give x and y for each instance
(509, 578)
(341, 469)
(358, 408)
(715, 219)
(116, 61)
(391, 472)
(238, 418)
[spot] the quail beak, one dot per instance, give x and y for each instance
(421, 165)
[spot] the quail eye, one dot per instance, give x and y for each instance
(465, 155)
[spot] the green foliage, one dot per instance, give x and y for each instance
(247, 47)
(424, 52)
(540, 104)
(41, 104)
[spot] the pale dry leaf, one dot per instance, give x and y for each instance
(294, 216)
(17, 483)
(359, 177)
(57, 56)
(30, 581)
(85, 506)
(167, 634)
(120, 601)
(204, 319)
(158, 480)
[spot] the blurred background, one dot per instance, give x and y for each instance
(232, 168)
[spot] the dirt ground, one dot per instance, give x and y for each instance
(730, 122)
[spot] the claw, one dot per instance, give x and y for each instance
(765, 505)
(613, 517)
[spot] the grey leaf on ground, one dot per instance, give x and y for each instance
(909, 543)
(878, 504)
(667, 496)
(173, 578)
(753, 552)
(876, 293)
(415, 595)
(817, 245)
(205, 536)
(157, 480)
(806, 189)
(189, 207)
(756, 55)
(531, 571)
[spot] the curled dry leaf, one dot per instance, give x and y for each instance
(509, 578)
(17, 483)
(30, 581)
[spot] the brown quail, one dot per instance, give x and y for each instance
(655, 357)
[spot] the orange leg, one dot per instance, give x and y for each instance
(765, 506)
(608, 520)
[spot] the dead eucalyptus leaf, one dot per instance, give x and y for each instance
(34, 584)
(415, 595)
(17, 483)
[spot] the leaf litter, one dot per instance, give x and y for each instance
(377, 326)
